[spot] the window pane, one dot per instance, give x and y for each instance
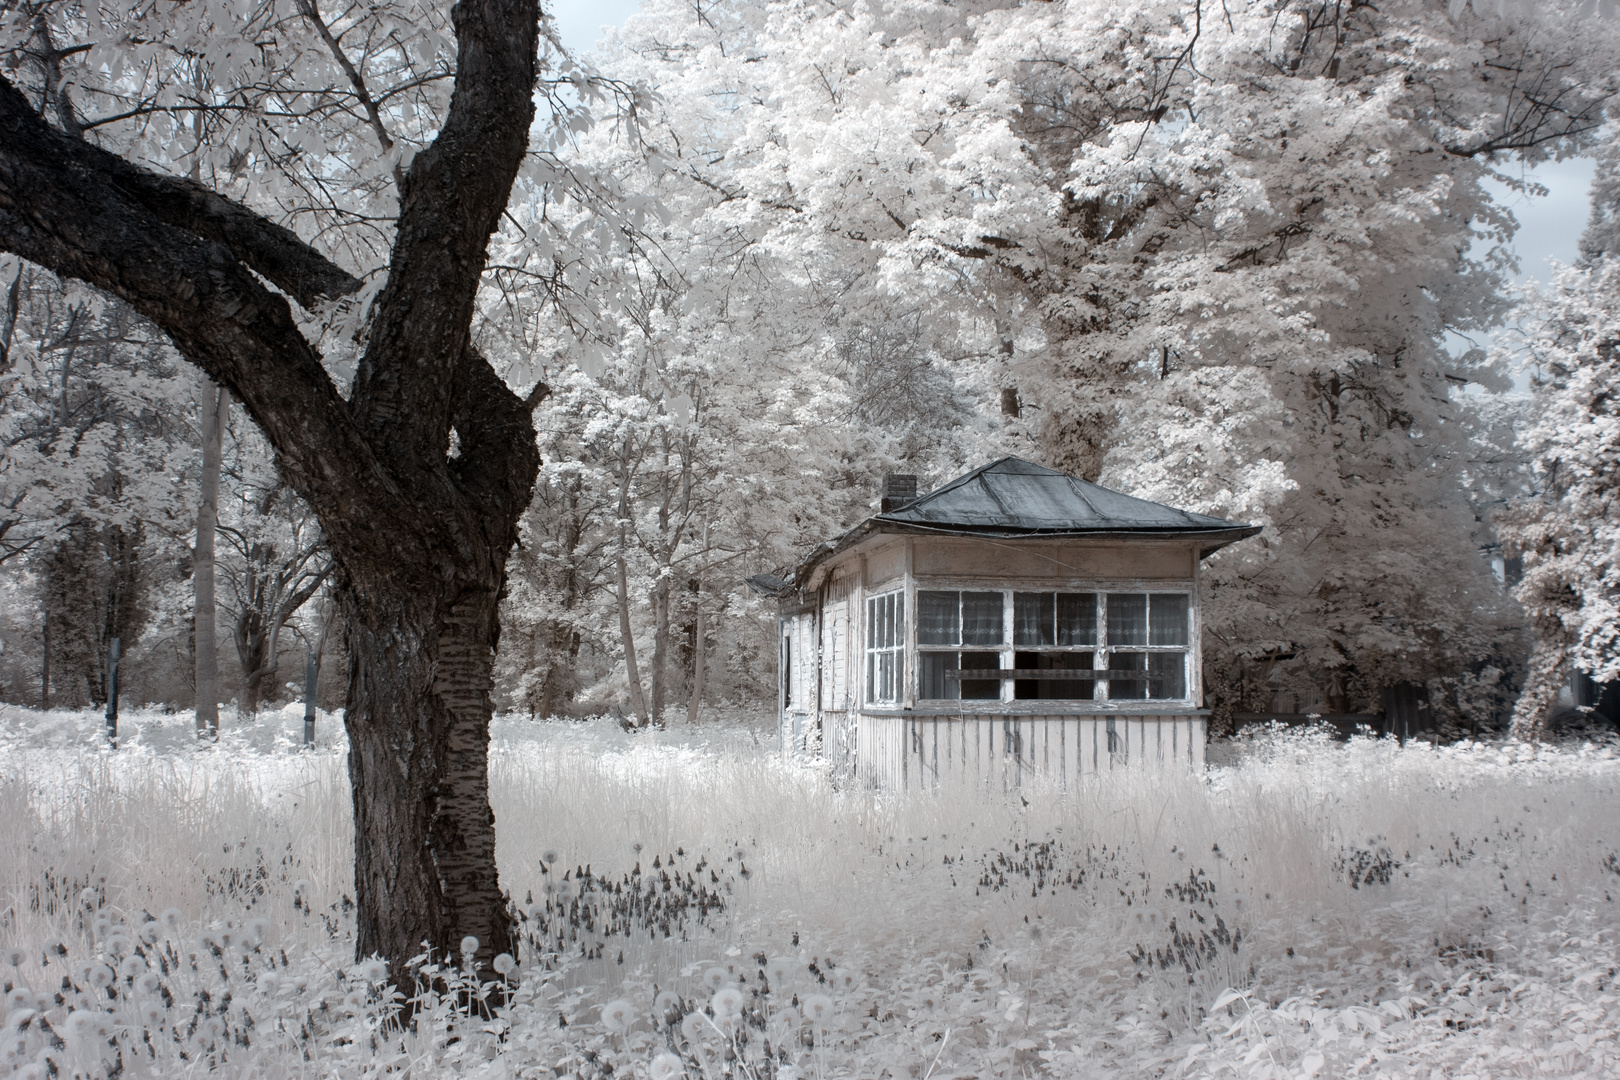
(982, 618)
(1168, 619)
(1032, 619)
(1061, 686)
(932, 685)
(1127, 619)
(899, 639)
(1167, 675)
(981, 689)
(938, 621)
(1126, 689)
(1077, 618)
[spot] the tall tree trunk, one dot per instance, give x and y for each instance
(660, 657)
(216, 408)
(632, 673)
(697, 663)
(421, 782)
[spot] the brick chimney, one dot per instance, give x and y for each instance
(898, 489)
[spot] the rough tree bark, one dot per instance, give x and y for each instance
(419, 540)
(216, 404)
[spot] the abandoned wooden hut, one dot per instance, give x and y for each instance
(1015, 620)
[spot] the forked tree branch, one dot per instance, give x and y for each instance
(83, 213)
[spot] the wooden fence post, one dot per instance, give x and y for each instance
(112, 692)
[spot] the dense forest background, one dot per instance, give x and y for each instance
(1208, 255)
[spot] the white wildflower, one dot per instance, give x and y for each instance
(818, 1009)
(727, 1001)
(618, 1015)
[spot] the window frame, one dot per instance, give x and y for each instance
(1102, 652)
(894, 650)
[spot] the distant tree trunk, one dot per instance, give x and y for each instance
(697, 664)
(45, 662)
(216, 407)
(660, 659)
(632, 673)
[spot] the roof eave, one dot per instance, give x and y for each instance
(1210, 538)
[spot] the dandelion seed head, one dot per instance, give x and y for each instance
(147, 983)
(617, 1015)
(258, 928)
(20, 997)
(15, 957)
(694, 1027)
(727, 1001)
(375, 971)
(548, 857)
(101, 976)
(78, 1024)
(171, 917)
(132, 966)
(818, 1008)
(667, 1066)
(716, 977)
(666, 1001)
(118, 944)
(152, 1014)
(504, 964)
(101, 926)
(150, 931)
(778, 970)
(469, 945)
(87, 897)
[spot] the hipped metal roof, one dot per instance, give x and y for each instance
(1013, 498)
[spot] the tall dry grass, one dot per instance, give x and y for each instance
(1096, 929)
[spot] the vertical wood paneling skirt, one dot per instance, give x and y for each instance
(894, 752)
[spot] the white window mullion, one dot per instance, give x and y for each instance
(1008, 659)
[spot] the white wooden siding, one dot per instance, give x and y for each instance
(896, 752)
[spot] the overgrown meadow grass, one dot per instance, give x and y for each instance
(692, 905)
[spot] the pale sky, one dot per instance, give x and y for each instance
(581, 21)
(1549, 226)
